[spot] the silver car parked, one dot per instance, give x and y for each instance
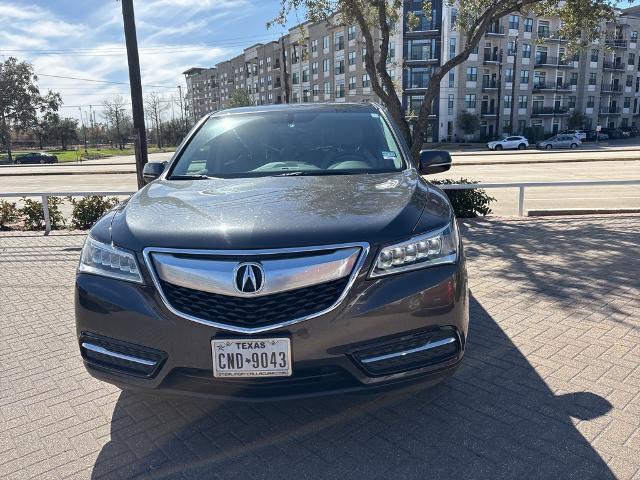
(560, 141)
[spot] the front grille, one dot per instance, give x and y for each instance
(254, 311)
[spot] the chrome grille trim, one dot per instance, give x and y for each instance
(280, 274)
(240, 255)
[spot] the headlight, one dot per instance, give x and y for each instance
(434, 248)
(109, 261)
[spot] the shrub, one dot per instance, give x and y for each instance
(34, 216)
(469, 203)
(8, 213)
(88, 210)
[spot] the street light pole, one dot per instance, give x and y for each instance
(137, 106)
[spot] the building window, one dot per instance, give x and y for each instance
(305, 96)
(421, 49)
(454, 18)
(419, 77)
(593, 78)
(571, 101)
(627, 102)
(295, 78)
(524, 76)
(526, 50)
(364, 53)
(511, 48)
(543, 28)
(514, 22)
(450, 104)
(326, 65)
(452, 47)
(594, 55)
(634, 37)
(305, 75)
(591, 101)
(294, 56)
(314, 45)
(528, 24)
(269, 80)
(507, 101)
(523, 101)
(632, 59)
(352, 83)
(365, 81)
(339, 66)
(314, 68)
(338, 41)
(452, 79)
(351, 32)
(316, 90)
(269, 62)
(325, 42)
(573, 79)
(472, 74)
(352, 58)
(391, 56)
(508, 75)
(327, 88)
(629, 82)
(470, 100)
(340, 89)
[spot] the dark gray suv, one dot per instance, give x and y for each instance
(284, 251)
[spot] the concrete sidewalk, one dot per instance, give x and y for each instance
(550, 387)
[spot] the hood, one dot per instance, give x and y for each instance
(273, 212)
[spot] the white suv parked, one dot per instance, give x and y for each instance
(513, 142)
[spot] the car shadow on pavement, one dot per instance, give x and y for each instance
(496, 418)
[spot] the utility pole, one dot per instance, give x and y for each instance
(181, 106)
(285, 75)
(137, 107)
(84, 130)
(513, 87)
(499, 94)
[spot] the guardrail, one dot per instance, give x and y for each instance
(521, 186)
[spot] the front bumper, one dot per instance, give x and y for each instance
(327, 351)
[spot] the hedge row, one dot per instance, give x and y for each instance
(86, 211)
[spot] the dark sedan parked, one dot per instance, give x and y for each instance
(284, 251)
(35, 157)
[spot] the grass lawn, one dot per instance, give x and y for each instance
(72, 155)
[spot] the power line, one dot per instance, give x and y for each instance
(99, 81)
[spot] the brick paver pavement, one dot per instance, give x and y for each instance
(550, 387)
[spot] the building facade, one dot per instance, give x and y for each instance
(520, 74)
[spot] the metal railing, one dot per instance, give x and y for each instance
(521, 186)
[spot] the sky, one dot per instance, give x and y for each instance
(84, 39)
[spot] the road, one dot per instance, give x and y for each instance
(615, 164)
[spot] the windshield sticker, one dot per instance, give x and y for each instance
(388, 154)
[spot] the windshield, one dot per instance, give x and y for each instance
(290, 143)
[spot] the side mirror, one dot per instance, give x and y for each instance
(434, 161)
(152, 170)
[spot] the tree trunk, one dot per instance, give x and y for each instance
(7, 136)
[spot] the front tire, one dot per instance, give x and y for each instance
(547, 147)
(498, 148)
(42, 162)
(573, 145)
(522, 146)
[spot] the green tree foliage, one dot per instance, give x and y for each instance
(33, 215)
(468, 122)
(240, 98)
(88, 210)
(8, 213)
(20, 99)
(576, 120)
(379, 19)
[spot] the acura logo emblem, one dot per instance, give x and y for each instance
(249, 277)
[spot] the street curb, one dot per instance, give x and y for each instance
(35, 174)
(524, 162)
(580, 211)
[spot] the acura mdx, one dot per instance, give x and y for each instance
(284, 251)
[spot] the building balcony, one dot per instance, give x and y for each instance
(616, 42)
(495, 30)
(555, 62)
(551, 87)
(489, 86)
(608, 111)
(610, 88)
(548, 35)
(491, 58)
(488, 112)
(608, 65)
(549, 111)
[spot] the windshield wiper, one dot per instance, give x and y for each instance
(291, 174)
(189, 177)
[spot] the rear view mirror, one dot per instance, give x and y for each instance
(434, 161)
(152, 170)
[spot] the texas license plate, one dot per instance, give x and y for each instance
(257, 357)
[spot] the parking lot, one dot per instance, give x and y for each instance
(550, 387)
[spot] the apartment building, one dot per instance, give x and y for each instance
(520, 74)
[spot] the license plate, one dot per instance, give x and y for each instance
(257, 357)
